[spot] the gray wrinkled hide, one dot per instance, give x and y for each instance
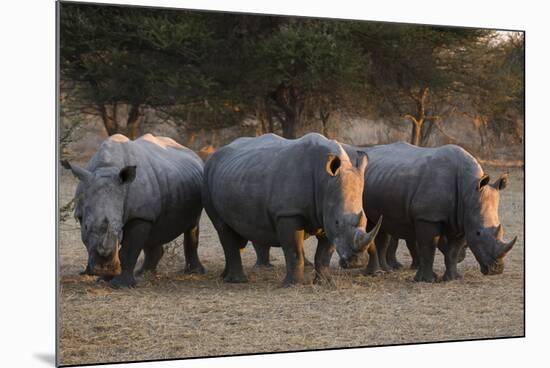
(166, 187)
(252, 183)
(165, 194)
(408, 184)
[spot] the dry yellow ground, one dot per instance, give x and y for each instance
(172, 315)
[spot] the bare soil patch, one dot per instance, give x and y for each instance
(170, 315)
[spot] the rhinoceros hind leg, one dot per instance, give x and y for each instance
(451, 275)
(190, 245)
(425, 277)
(427, 236)
(232, 244)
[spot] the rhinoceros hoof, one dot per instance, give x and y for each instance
(143, 271)
(373, 273)
(396, 265)
(292, 281)
(451, 276)
(323, 279)
(87, 271)
(263, 265)
(235, 279)
(196, 269)
(104, 278)
(421, 277)
(120, 282)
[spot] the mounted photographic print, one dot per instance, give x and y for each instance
(234, 183)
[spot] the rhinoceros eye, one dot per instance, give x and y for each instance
(478, 233)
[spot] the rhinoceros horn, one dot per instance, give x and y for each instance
(504, 248)
(81, 173)
(362, 239)
(110, 262)
(109, 245)
(499, 232)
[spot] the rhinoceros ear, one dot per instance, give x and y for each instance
(80, 173)
(483, 181)
(333, 165)
(501, 182)
(362, 160)
(127, 175)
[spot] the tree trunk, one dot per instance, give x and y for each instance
(421, 117)
(323, 116)
(133, 125)
(261, 117)
(287, 100)
(416, 129)
(289, 127)
(268, 115)
(109, 121)
(269, 118)
(426, 131)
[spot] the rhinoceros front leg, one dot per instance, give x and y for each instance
(136, 234)
(263, 259)
(323, 254)
(291, 236)
(373, 266)
(382, 243)
(427, 236)
(88, 270)
(190, 245)
(453, 250)
(377, 255)
(232, 244)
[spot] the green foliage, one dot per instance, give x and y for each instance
(213, 69)
(406, 58)
(309, 54)
(134, 55)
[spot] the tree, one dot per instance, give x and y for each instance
(133, 57)
(301, 62)
(413, 66)
(499, 69)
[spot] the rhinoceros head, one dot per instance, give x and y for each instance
(483, 229)
(343, 218)
(99, 210)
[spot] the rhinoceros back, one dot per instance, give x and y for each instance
(406, 183)
(168, 175)
(253, 181)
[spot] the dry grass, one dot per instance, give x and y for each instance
(171, 315)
